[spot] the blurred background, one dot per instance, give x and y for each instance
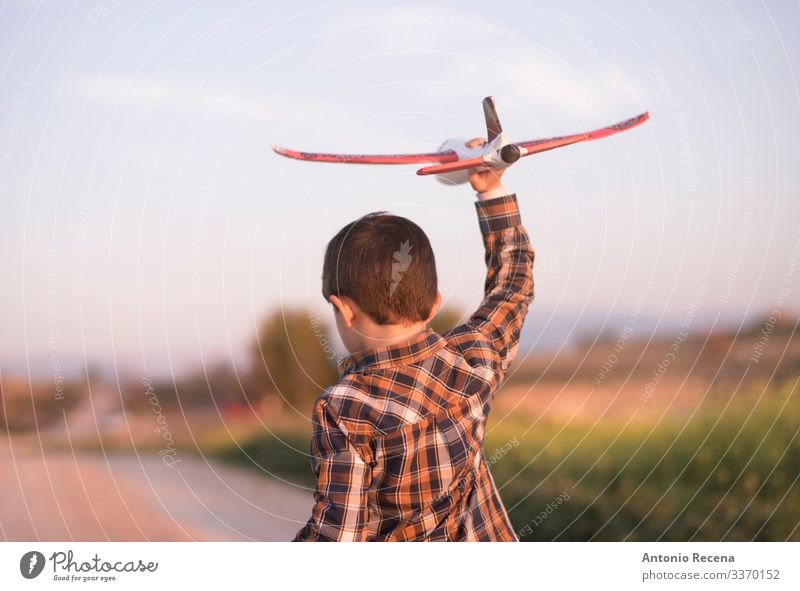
(162, 331)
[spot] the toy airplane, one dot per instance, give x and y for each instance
(454, 159)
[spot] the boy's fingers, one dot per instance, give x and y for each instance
(475, 142)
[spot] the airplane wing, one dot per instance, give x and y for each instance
(441, 156)
(537, 146)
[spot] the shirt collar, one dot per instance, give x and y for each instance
(420, 347)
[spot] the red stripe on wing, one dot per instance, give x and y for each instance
(442, 156)
(536, 146)
(618, 127)
(452, 166)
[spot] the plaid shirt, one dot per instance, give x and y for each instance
(398, 441)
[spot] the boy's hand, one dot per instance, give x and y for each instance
(483, 180)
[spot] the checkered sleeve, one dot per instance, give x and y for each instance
(509, 276)
(340, 510)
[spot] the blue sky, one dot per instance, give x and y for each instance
(147, 224)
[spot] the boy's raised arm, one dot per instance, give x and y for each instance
(509, 267)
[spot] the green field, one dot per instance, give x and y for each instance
(728, 472)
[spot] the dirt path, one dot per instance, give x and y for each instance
(120, 497)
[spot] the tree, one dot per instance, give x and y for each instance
(27, 405)
(293, 357)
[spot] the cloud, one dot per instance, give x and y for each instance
(150, 93)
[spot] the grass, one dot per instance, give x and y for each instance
(725, 474)
(283, 453)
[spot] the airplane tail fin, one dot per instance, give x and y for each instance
(493, 127)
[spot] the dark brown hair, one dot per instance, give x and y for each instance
(385, 264)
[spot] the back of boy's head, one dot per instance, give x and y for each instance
(385, 264)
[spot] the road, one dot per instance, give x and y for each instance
(124, 497)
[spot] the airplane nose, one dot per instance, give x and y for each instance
(509, 153)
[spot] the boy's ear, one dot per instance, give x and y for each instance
(344, 308)
(435, 308)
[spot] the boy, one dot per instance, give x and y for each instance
(398, 441)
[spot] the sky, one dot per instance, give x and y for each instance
(147, 226)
